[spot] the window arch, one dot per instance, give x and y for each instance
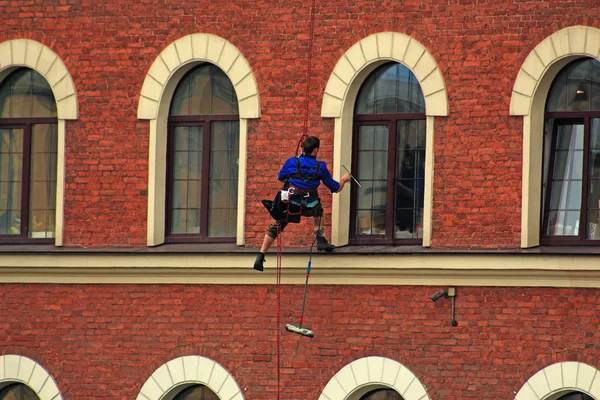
(203, 143)
(571, 168)
(18, 391)
(188, 372)
(562, 379)
(528, 99)
(382, 394)
(389, 158)
(28, 158)
(339, 99)
(370, 375)
(156, 94)
(196, 392)
(22, 375)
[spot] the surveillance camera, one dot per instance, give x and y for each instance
(438, 295)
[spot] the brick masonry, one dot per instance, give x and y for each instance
(104, 341)
(109, 45)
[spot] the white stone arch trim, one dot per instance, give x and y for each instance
(338, 102)
(156, 94)
(528, 99)
(387, 46)
(576, 40)
(16, 368)
(31, 54)
(560, 378)
(369, 373)
(187, 371)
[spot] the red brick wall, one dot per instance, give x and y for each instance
(108, 47)
(104, 341)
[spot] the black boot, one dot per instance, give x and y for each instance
(258, 263)
(323, 244)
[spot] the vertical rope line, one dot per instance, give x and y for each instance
(278, 278)
(308, 74)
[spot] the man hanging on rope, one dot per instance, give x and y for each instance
(302, 178)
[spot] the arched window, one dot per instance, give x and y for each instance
(389, 158)
(197, 392)
(571, 196)
(382, 394)
(28, 158)
(575, 396)
(202, 176)
(18, 391)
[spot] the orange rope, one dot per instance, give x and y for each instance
(278, 308)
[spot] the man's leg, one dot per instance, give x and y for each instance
(274, 229)
(322, 243)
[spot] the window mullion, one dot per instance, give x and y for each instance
(583, 225)
(204, 195)
(25, 181)
(391, 180)
(550, 175)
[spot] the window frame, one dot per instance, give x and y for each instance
(204, 121)
(565, 118)
(392, 121)
(26, 125)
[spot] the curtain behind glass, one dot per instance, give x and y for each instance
(390, 89)
(567, 179)
(205, 90)
(576, 88)
(26, 94)
(11, 173)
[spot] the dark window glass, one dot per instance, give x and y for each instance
(28, 158)
(575, 396)
(571, 169)
(390, 89)
(382, 394)
(203, 158)
(389, 158)
(17, 391)
(199, 392)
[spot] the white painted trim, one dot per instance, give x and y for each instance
(559, 379)
(31, 54)
(15, 368)
(370, 373)
(338, 102)
(155, 97)
(528, 99)
(173, 376)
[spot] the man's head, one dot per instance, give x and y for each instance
(310, 144)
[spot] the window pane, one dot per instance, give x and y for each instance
(11, 164)
(197, 392)
(576, 87)
(566, 190)
(222, 220)
(390, 89)
(42, 185)
(186, 179)
(204, 90)
(382, 394)
(26, 94)
(593, 200)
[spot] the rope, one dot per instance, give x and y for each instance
(308, 74)
(304, 136)
(278, 273)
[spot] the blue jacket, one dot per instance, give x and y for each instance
(308, 166)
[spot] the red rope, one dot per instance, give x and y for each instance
(278, 273)
(308, 74)
(304, 136)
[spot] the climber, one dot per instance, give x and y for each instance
(301, 179)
